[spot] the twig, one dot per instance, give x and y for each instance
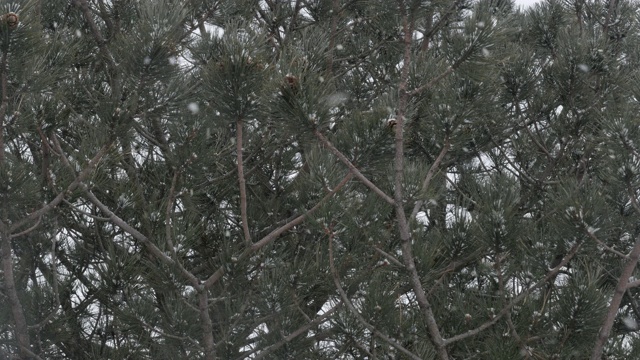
(605, 246)
(76, 209)
(168, 212)
(389, 257)
(352, 168)
(427, 180)
(241, 182)
(25, 232)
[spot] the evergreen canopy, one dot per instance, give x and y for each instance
(315, 179)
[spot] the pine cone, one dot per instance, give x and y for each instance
(289, 89)
(11, 19)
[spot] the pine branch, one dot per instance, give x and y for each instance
(427, 180)
(356, 313)
(403, 225)
(501, 288)
(102, 45)
(354, 170)
(17, 311)
(465, 55)
(622, 285)
(206, 324)
(168, 218)
(272, 236)
(70, 188)
(520, 297)
(151, 247)
(241, 181)
(301, 330)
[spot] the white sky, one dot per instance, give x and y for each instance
(526, 3)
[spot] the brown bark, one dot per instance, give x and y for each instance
(403, 225)
(19, 320)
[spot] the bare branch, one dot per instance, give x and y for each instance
(241, 182)
(633, 284)
(9, 281)
(27, 231)
(206, 324)
(4, 102)
(605, 246)
(389, 257)
(168, 216)
(76, 209)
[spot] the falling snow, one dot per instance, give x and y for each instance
(193, 107)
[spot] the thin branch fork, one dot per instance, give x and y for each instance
(272, 236)
(353, 168)
(71, 187)
(117, 220)
(605, 246)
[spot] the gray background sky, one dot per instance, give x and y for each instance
(526, 2)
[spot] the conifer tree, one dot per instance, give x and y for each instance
(322, 179)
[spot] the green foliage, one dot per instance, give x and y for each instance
(173, 181)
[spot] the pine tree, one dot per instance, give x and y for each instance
(319, 179)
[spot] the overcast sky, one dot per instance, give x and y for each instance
(526, 2)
